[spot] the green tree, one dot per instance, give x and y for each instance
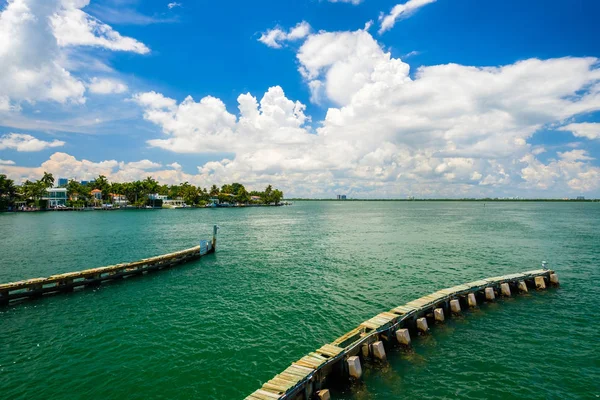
(266, 195)
(243, 196)
(214, 191)
(47, 180)
(101, 183)
(276, 196)
(8, 190)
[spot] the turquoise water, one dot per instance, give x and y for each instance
(286, 280)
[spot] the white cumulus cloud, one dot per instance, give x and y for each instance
(25, 142)
(106, 86)
(589, 130)
(276, 37)
(38, 42)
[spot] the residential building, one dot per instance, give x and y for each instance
(56, 197)
(156, 196)
(118, 199)
(176, 203)
(96, 194)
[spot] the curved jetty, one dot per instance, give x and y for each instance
(35, 288)
(307, 378)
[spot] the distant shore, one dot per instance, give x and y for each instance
(467, 200)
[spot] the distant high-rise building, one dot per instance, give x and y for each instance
(84, 182)
(341, 197)
(62, 182)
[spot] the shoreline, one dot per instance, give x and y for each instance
(87, 209)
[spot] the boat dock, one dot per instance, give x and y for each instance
(308, 377)
(37, 287)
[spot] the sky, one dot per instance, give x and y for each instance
(369, 98)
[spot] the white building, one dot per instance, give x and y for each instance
(56, 197)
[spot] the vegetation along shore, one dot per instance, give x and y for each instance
(48, 194)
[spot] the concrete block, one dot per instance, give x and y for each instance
(422, 325)
(522, 287)
(354, 368)
(505, 289)
(489, 294)
(540, 283)
(323, 394)
(403, 337)
(472, 300)
(554, 279)
(378, 350)
(364, 349)
(438, 314)
(455, 306)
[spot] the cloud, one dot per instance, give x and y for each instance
(73, 27)
(38, 39)
(106, 86)
(25, 142)
(207, 126)
(173, 5)
(174, 165)
(570, 168)
(276, 37)
(6, 162)
(64, 165)
(589, 130)
(574, 155)
(121, 14)
(400, 11)
(142, 164)
(354, 2)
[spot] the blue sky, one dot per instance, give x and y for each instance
(469, 130)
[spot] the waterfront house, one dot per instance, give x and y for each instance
(156, 196)
(175, 203)
(56, 197)
(118, 200)
(96, 194)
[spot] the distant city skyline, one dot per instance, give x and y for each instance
(370, 99)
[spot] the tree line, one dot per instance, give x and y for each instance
(137, 192)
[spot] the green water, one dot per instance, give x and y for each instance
(287, 280)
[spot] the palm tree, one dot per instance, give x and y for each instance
(214, 190)
(47, 180)
(101, 183)
(7, 191)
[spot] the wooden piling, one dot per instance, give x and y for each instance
(540, 282)
(455, 306)
(472, 300)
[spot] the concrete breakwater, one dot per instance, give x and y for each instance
(309, 377)
(37, 287)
